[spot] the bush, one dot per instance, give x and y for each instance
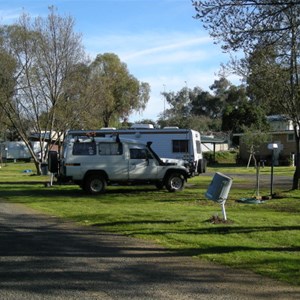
(221, 157)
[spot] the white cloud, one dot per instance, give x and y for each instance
(167, 61)
(167, 45)
(134, 46)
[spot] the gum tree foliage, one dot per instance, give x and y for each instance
(249, 25)
(179, 107)
(241, 112)
(179, 112)
(76, 109)
(266, 79)
(114, 92)
(225, 107)
(42, 53)
(211, 104)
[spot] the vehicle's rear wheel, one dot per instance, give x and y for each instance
(175, 182)
(95, 184)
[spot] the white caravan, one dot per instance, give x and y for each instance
(169, 143)
(14, 151)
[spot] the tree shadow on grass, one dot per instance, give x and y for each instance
(40, 190)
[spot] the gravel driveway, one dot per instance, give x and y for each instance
(44, 257)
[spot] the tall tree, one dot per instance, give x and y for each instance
(206, 104)
(267, 80)
(212, 103)
(243, 114)
(114, 91)
(180, 105)
(44, 50)
(247, 24)
(76, 109)
(7, 89)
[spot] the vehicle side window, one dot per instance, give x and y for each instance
(110, 149)
(139, 154)
(84, 148)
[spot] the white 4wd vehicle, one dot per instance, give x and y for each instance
(94, 163)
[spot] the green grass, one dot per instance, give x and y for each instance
(264, 238)
(19, 172)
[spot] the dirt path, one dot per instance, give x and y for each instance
(43, 257)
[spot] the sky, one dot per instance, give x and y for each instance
(160, 41)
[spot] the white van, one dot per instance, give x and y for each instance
(95, 162)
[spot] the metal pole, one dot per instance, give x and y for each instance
(257, 181)
(223, 211)
(272, 167)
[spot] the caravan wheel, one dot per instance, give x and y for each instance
(202, 164)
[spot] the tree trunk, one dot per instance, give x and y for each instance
(297, 161)
(38, 167)
(296, 174)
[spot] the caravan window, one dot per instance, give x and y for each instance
(84, 148)
(180, 146)
(198, 145)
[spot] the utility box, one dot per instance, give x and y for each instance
(218, 190)
(44, 168)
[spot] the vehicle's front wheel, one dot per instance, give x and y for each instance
(175, 182)
(95, 184)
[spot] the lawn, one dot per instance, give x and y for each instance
(264, 238)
